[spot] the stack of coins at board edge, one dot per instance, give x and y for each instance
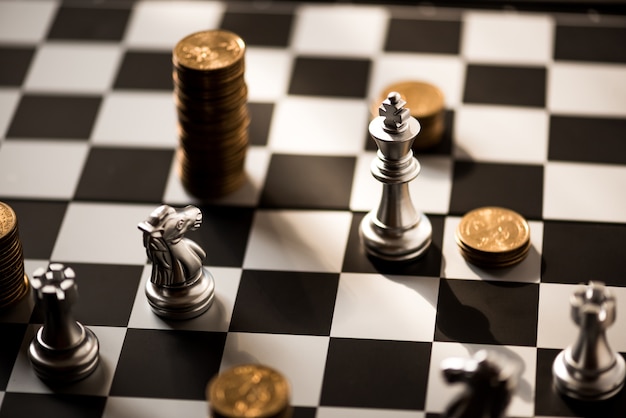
(13, 281)
(250, 391)
(211, 102)
(426, 104)
(493, 237)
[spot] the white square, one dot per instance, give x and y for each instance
(343, 30)
(73, 67)
(8, 103)
(136, 119)
(337, 412)
(501, 134)
(507, 38)
(587, 89)
(318, 126)
(41, 169)
(300, 358)
(158, 24)
(456, 267)
(430, 191)
(584, 192)
(445, 72)
(401, 308)
(217, 318)
(257, 161)
(268, 71)
(25, 21)
(298, 240)
(126, 407)
(110, 339)
(102, 233)
(440, 393)
(556, 329)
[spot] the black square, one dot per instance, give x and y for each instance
(482, 312)
(590, 43)
(12, 336)
(515, 186)
(335, 77)
(549, 402)
(578, 252)
(376, 374)
(223, 234)
(29, 405)
(19, 59)
(308, 181)
(285, 302)
(356, 259)
(145, 70)
(171, 364)
(125, 175)
(425, 36)
(39, 223)
(304, 412)
(260, 121)
(500, 85)
(90, 23)
(107, 294)
(587, 139)
(260, 29)
(56, 116)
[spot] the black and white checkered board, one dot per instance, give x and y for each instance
(536, 122)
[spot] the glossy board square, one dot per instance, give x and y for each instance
(260, 29)
(590, 43)
(13, 334)
(145, 70)
(20, 59)
(423, 36)
(260, 121)
(336, 77)
(505, 85)
(88, 23)
(27, 405)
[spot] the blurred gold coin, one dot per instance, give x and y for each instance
(209, 50)
(493, 230)
(8, 220)
(422, 99)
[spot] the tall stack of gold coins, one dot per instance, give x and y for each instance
(211, 103)
(493, 237)
(13, 281)
(426, 104)
(250, 391)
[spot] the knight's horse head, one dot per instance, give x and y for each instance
(171, 223)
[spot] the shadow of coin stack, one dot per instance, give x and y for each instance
(13, 282)
(211, 103)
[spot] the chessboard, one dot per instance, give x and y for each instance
(535, 121)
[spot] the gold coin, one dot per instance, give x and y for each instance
(209, 50)
(8, 220)
(248, 391)
(422, 99)
(493, 230)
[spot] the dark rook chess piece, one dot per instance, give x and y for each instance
(588, 369)
(179, 287)
(395, 231)
(63, 349)
(490, 382)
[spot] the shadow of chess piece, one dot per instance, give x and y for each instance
(179, 287)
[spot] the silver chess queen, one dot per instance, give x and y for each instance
(179, 287)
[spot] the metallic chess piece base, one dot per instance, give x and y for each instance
(588, 385)
(182, 302)
(395, 245)
(65, 365)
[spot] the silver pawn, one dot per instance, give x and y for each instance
(179, 287)
(490, 383)
(395, 231)
(588, 369)
(63, 350)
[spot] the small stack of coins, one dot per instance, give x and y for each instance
(493, 237)
(426, 104)
(211, 103)
(13, 281)
(250, 391)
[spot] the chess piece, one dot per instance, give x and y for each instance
(63, 350)
(179, 287)
(395, 231)
(490, 382)
(588, 369)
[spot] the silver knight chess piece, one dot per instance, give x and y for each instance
(395, 231)
(490, 381)
(63, 350)
(588, 369)
(179, 287)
